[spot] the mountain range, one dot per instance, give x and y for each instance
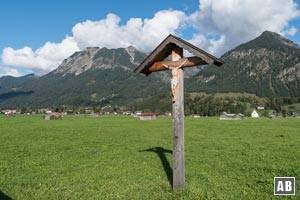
(268, 66)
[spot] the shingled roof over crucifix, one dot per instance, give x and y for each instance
(156, 59)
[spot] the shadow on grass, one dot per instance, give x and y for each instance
(4, 196)
(161, 153)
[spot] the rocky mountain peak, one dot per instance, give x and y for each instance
(92, 51)
(268, 40)
(131, 50)
(100, 58)
(78, 62)
(275, 37)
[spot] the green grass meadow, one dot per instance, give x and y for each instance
(121, 157)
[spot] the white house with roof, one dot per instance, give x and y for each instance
(254, 114)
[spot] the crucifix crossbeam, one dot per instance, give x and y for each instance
(156, 62)
(183, 63)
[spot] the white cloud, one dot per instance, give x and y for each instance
(6, 71)
(43, 59)
(143, 34)
(217, 26)
(291, 31)
(242, 20)
(213, 46)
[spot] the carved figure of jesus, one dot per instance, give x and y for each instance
(174, 80)
(174, 83)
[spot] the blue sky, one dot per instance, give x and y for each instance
(33, 22)
(37, 35)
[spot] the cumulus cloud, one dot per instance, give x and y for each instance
(217, 26)
(143, 34)
(241, 20)
(43, 59)
(6, 71)
(213, 46)
(291, 31)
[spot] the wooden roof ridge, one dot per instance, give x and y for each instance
(164, 49)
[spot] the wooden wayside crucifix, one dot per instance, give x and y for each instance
(156, 61)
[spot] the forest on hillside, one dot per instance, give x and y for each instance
(214, 105)
(195, 103)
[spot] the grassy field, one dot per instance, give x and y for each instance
(120, 157)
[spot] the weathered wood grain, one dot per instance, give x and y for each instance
(185, 62)
(178, 123)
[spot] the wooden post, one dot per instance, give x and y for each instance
(178, 121)
(156, 61)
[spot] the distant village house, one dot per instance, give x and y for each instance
(196, 116)
(296, 115)
(126, 113)
(260, 108)
(254, 114)
(137, 113)
(227, 116)
(147, 116)
(44, 111)
(53, 116)
(168, 114)
(9, 113)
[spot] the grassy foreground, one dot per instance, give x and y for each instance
(120, 157)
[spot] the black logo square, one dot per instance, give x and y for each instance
(284, 185)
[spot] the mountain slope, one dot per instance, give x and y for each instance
(93, 77)
(96, 58)
(7, 82)
(267, 66)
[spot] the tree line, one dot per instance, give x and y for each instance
(202, 104)
(214, 105)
